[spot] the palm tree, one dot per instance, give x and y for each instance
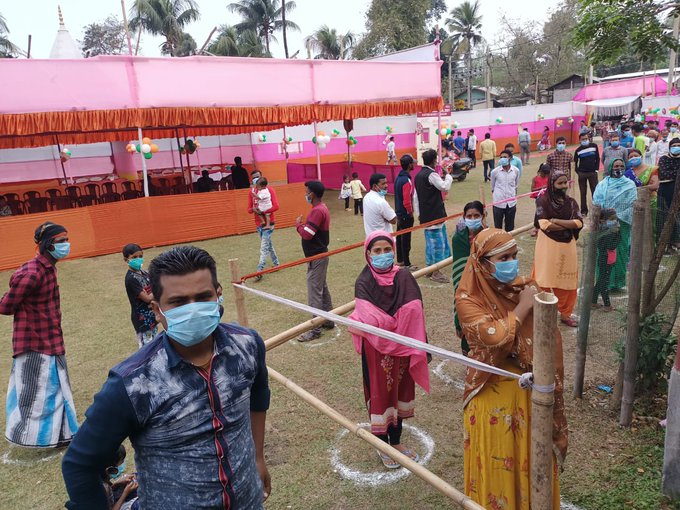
(186, 47)
(166, 18)
(465, 25)
(7, 49)
(329, 45)
(264, 17)
(231, 43)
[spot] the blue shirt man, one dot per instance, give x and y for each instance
(459, 142)
(193, 403)
(627, 139)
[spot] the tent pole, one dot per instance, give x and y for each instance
(63, 169)
(186, 153)
(285, 149)
(318, 156)
(144, 170)
(127, 28)
(181, 165)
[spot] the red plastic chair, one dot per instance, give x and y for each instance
(12, 197)
(31, 194)
(130, 194)
(53, 192)
(107, 198)
(62, 202)
(109, 188)
(17, 207)
(38, 204)
(87, 200)
(93, 189)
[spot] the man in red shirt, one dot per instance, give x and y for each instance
(40, 409)
(315, 240)
(266, 245)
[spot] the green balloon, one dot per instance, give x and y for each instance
(137, 148)
(314, 139)
(148, 155)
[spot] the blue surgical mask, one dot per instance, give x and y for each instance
(611, 223)
(60, 250)
(635, 161)
(255, 180)
(674, 129)
(382, 192)
(136, 264)
(615, 143)
(192, 323)
(383, 261)
(626, 133)
(308, 199)
(119, 472)
(503, 161)
(473, 224)
(645, 126)
(675, 150)
(506, 271)
(561, 146)
(585, 143)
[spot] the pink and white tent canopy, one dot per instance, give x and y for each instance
(643, 86)
(88, 97)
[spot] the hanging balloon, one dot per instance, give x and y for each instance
(388, 129)
(198, 145)
(146, 140)
(130, 148)
(456, 125)
(65, 155)
(436, 131)
(558, 122)
(570, 120)
(326, 139)
(335, 133)
(349, 142)
(541, 116)
(499, 120)
(289, 139)
(146, 148)
(154, 148)
(321, 133)
(321, 145)
(148, 155)
(314, 139)
(138, 148)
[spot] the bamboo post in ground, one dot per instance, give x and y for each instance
(241, 314)
(545, 327)
(587, 288)
(455, 495)
(633, 324)
(289, 334)
(645, 194)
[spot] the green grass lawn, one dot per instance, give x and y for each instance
(601, 471)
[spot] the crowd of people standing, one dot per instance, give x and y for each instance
(187, 400)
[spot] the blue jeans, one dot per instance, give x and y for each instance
(266, 247)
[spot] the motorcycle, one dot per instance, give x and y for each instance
(459, 168)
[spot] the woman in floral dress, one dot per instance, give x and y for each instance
(496, 315)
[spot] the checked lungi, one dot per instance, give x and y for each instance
(40, 410)
(436, 245)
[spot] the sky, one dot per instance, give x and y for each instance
(39, 18)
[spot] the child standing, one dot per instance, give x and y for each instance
(608, 239)
(357, 188)
(346, 191)
(539, 183)
(138, 287)
(262, 202)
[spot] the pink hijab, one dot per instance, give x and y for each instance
(384, 277)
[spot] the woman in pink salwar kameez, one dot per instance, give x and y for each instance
(388, 297)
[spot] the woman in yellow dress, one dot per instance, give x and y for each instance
(559, 221)
(495, 309)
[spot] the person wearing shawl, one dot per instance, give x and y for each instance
(619, 193)
(643, 173)
(495, 308)
(559, 222)
(40, 408)
(669, 170)
(388, 297)
(471, 224)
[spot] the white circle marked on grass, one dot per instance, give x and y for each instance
(568, 506)
(385, 476)
(16, 462)
(328, 337)
(439, 372)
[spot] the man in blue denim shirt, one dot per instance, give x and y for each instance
(193, 403)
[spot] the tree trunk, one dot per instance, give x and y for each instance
(266, 43)
(670, 482)
(469, 77)
(283, 18)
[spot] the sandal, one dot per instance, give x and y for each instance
(595, 306)
(569, 322)
(388, 461)
(608, 308)
(411, 455)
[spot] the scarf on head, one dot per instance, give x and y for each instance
(391, 300)
(496, 337)
(44, 235)
(552, 204)
(616, 193)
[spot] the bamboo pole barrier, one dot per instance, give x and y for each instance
(647, 248)
(241, 313)
(421, 472)
(289, 334)
(587, 289)
(482, 194)
(634, 297)
(545, 326)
